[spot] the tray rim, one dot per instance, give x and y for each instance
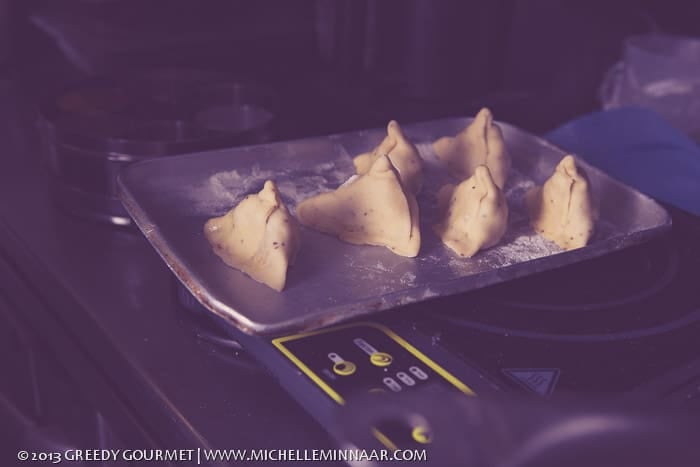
(373, 304)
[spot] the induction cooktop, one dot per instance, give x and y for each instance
(623, 326)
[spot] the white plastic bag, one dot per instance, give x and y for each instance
(659, 72)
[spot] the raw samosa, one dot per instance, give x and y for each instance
(369, 209)
(480, 143)
(562, 210)
(402, 154)
(474, 214)
(258, 237)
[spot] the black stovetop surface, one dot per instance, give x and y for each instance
(612, 325)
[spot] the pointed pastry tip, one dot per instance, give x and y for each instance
(394, 129)
(484, 115)
(568, 163)
(269, 192)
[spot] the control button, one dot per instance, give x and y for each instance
(422, 435)
(381, 359)
(344, 368)
(376, 390)
(392, 384)
(405, 379)
(418, 373)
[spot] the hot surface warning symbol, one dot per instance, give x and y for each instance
(538, 380)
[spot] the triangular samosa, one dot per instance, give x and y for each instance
(480, 143)
(474, 214)
(402, 154)
(562, 210)
(258, 236)
(370, 209)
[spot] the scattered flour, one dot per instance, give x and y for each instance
(223, 190)
(408, 279)
(523, 248)
(380, 267)
(516, 187)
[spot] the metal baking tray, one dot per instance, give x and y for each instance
(170, 199)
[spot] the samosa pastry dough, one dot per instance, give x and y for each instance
(258, 236)
(474, 214)
(372, 209)
(402, 154)
(562, 210)
(480, 143)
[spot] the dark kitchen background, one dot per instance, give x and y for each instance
(351, 64)
(94, 349)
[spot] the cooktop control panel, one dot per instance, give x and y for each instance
(367, 357)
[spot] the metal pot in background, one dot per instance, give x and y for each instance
(93, 129)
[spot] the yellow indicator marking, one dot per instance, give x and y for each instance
(422, 435)
(381, 437)
(423, 358)
(306, 370)
(344, 368)
(279, 343)
(381, 359)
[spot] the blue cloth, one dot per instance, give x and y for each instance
(641, 149)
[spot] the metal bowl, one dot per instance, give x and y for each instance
(91, 130)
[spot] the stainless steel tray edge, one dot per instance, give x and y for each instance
(335, 313)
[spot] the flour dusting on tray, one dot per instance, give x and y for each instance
(223, 190)
(332, 281)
